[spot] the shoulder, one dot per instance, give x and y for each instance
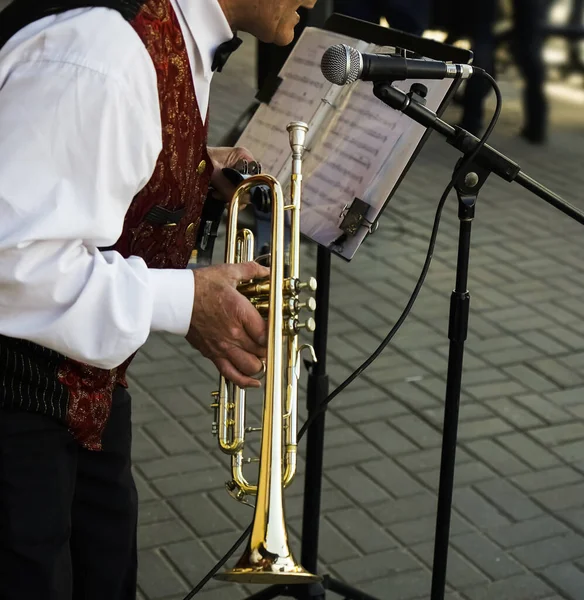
(97, 40)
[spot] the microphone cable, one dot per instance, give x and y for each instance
(426, 267)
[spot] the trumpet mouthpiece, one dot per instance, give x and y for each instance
(297, 131)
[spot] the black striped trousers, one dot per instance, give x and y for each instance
(67, 515)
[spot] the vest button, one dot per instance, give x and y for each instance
(190, 228)
(201, 167)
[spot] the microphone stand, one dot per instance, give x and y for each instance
(469, 183)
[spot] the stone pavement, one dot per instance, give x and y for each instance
(518, 522)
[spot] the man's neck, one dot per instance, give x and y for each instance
(230, 11)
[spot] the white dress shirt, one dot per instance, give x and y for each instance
(80, 134)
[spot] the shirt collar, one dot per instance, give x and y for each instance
(208, 27)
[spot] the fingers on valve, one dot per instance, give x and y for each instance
(231, 373)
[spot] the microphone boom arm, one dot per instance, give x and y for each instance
(488, 158)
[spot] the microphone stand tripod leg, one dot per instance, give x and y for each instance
(467, 192)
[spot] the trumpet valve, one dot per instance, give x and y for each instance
(310, 284)
(294, 325)
(309, 305)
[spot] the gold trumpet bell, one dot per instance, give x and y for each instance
(259, 566)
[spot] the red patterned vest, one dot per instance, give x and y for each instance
(81, 395)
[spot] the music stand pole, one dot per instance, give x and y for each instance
(317, 391)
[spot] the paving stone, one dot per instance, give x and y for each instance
(146, 493)
(519, 587)
(544, 408)
(428, 459)
(159, 534)
(359, 527)
(334, 546)
(405, 509)
(542, 342)
(171, 437)
(179, 403)
(374, 566)
(555, 371)
(559, 434)
(460, 572)
(496, 344)
(180, 463)
(350, 454)
(513, 413)
(527, 450)
(528, 531)
(159, 366)
(340, 437)
(204, 516)
(510, 356)
(390, 476)
(387, 438)
(143, 446)
(154, 511)
(567, 578)
(209, 479)
(571, 452)
(192, 561)
(497, 457)
(530, 378)
(485, 428)
(551, 551)
(157, 348)
(546, 479)
(415, 397)
(404, 586)
(508, 499)
(561, 498)
(566, 336)
(416, 429)
(481, 376)
(157, 576)
(357, 485)
(486, 555)
(478, 510)
(495, 390)
(167, 379)
(375, 411)
(423, 529)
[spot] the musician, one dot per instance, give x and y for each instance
(104, 167)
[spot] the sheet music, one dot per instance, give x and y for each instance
(357, 147)
(362, 155)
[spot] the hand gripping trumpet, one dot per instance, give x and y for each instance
(267, 558)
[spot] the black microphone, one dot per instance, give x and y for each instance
(342, 64)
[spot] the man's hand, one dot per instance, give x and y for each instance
(225, 157)
(225, 327)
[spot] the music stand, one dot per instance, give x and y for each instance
(318, 380)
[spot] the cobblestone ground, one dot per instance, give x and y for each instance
(518, 522)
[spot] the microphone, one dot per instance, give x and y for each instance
(342, 64)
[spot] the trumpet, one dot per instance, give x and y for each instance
(267, 557)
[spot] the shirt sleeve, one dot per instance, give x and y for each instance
(75, 148)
